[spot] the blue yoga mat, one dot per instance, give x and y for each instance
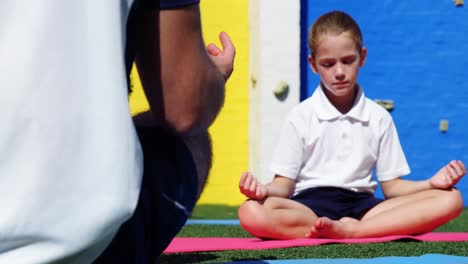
(424, 259)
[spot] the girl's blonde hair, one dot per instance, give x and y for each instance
(335, 22)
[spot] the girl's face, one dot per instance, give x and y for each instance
(337, 61)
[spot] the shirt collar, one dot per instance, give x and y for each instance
(326, 111)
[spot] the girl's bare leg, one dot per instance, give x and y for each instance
(410, 214)
(276, 218)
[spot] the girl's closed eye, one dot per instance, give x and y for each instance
(349, 60)
(327, 63)
(330, 63)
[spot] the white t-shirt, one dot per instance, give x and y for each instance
(70, 161)
(319, 146)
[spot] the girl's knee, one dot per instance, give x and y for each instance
(453, 200)
(457, 199)
(249, 210)
(251, 215)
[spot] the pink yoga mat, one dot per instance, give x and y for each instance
(193, 244)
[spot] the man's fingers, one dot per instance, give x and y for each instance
(228, 46)
(213, 49)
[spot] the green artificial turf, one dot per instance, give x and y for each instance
(395, 248)
(214, 212)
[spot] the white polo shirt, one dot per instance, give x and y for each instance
(319, 146)
(70, 161)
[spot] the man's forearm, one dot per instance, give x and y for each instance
(183, 86)
(198, 99)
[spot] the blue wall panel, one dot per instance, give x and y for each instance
(417, 57)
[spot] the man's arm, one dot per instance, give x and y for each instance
(183, 81)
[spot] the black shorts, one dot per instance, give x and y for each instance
(336, 203)
(168, 194)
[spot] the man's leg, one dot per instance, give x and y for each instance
(168, 194)
(201, 148)
(276, 218)
(410, 214)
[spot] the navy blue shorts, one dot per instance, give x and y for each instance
(336, 203)
(168, 194)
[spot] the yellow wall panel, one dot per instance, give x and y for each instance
(138, 102)
(230, 131)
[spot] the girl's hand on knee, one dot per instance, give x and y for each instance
(251, 187)
(449, 175)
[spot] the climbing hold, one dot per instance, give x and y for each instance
(443, 125)
(281, 90)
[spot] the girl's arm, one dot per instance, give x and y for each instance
(399, 187)
(445, 178)
(252, 188)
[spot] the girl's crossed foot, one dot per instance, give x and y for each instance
(324, 227)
